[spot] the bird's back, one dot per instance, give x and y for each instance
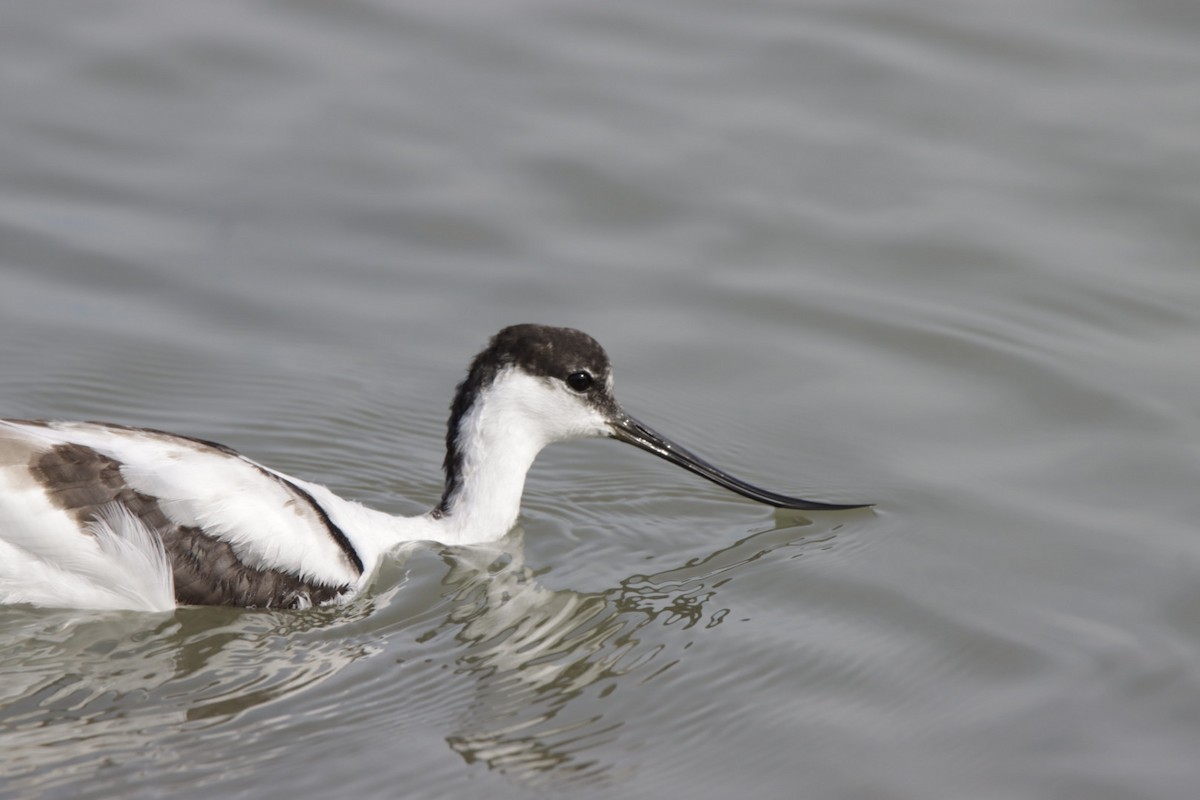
(105, 516)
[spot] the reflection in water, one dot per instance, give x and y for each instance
(88, 702)
(545, 661)
(81, 692)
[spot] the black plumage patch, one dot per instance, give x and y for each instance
(81, 480)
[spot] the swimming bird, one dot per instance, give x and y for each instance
(106, 516)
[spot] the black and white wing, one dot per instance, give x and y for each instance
(104, 516)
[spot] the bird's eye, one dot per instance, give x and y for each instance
(580, 381)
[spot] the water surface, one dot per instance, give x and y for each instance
(938, 256)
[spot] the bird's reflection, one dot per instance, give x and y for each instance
(544, 661)
(543, 665)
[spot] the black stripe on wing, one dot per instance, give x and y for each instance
(336, 533)
(207, 571)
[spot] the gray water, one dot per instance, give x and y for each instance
(944, 257)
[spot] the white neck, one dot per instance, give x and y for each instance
(498, 439)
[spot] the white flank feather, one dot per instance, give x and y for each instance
(136, 565)
(117, 563)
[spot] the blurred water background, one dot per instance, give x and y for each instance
(941, 256)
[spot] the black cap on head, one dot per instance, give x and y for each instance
(540, 350)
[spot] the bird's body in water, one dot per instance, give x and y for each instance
(95, 515)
